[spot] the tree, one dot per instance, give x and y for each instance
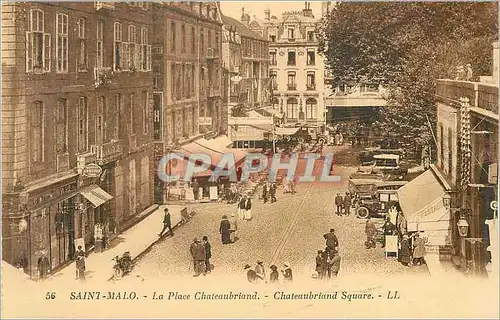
(406, 46)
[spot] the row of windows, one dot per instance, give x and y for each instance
(183, 81)
(107, 122)
(133, 54)
(291, 35)
(293, 111)
(292, 60)
(184, 39)
(292, 76)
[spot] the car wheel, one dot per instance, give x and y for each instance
(362, 212)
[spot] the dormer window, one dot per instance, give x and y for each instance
(291, 34)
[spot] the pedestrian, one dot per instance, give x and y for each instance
(80, 263)
(335, 263)
(293, 185)
(208, 254)
(248, 209)
(264, 192)
(260, 270)
(389, 229)
(43, 265)
(234, 228)
(404, 251)
(225, 230)
(241, 208)
(418, 250)
(371, 231)
(347, 203)
(272, 192)
(287, 273)
(339, 203)
(332, 241)
(167, 224)
(199, 255)
(320, 265)
(461, 73)
(468, 72)
(251, 275)
(274, 275)
(196, 189)
(327, 266)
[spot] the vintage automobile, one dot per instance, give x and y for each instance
(384, 163)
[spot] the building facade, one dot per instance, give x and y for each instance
(467, 159)
(246, 63)
(296, 69)
(77, 90)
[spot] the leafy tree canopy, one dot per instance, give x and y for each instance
(406, 46)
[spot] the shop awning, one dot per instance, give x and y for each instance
(421, 201)
(286, 131)
(96, 195)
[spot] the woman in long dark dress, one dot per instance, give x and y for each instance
(225, 230)
(404, 251)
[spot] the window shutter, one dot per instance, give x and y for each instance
(125, 56)
(149, 57)
(120, 55)
(29, 52)
(47, 47)
(137, 59)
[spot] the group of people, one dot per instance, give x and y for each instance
(201, 252)
(269, 192)
(464, 74)
(289, 185)
(328, 260)
(258, 274)
(245, 208)
(343, 204)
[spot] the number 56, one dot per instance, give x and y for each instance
(50, 296)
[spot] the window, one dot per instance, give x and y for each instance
(82, 47)
(145, 51)
(311, 108)
(310, 35)
(216, 43)
(291, 34)
(172, 36)
(291, 58)
(131, 113)
(193, 39)
(193, 82)
(441, 145)
(311, 80)
(272, 57)
(145, 111)
(82, 124)
(100, 137)
(291, 108)
(183, 38)
(184, 81)
(274, 80)
(291, 81)
(133, 49)
(38, 44)
(37, 120)
(62, 43)
(450, 151)
(117, 112)
(172, 89)
(209, 45)
(311, 57)
(272, 38)
(100, 44)
(117, 46)
(202, 41)
(62, 126)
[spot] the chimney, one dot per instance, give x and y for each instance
(267, 14)
(307, 12)
(245, 18)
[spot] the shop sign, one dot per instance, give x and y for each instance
(92, 170)
(494, 205)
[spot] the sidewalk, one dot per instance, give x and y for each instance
(136, 240)
(441, 268)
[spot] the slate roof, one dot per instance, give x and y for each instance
(240, 28)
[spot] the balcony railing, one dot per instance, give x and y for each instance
(104, 5)
(291, 63)
(108, 152)
(311, 87)
(481, 95)
(292, 86)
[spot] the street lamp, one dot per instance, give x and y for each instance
(463, 226)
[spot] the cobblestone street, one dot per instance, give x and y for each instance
(289, 230)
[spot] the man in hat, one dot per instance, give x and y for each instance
(264, 193)
(260, 270)
(196, 189)
(251, 275)
(389, 229)
(198, 254)
(468, 72)
(167, 224)
(331, 240)
(320, 266)
(287, 272)
(347, 201)
(248, 209)
(371, 231)
(274, 275)
(80, 263)
(272, 192)
(234, 228)
(208, 254)
(241, 207)
(339, 202)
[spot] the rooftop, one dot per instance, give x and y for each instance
(240, 28)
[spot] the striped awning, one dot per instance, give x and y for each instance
(96, 195)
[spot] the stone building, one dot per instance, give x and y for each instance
(246, 62)
(187, 75)
(296, 69)
(77, 130)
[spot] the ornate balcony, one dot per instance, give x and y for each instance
(311, 87)
(292, 86)
(481, 95)
(108, 152)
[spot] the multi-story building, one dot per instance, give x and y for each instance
(76, 138)
(245, 61)
(187, 74)
(296, 69)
